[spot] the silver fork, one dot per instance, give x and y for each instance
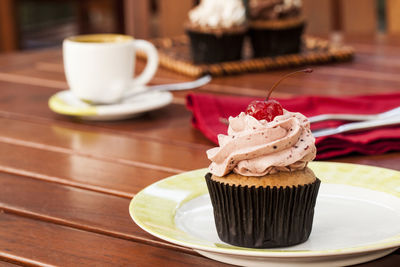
(357, 126)
(356, 117)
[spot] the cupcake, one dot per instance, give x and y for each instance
(216, 30)
(275, 27)
(262, 192)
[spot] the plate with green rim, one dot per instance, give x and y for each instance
(357, 218)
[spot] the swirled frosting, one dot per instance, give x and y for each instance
(218, 14)
(257, 147)
(274, 9)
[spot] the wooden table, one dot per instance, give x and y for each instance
(65, 185)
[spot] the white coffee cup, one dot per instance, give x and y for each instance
(99, 67)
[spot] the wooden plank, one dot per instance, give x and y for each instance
(78, 171)
(90, 211)
(248, 87)
(10, 77)
(171, 19)
(387, 160)
(392, 16)
(375, 42)
(384, 53)
(8, 26)
(86, 172)
(368, 53)
(19, 99)
(363, 61)
(388, 261)
(319, 17)
(104, 146)
(7, 264)
(258, 82)
(359, 16)
(33, 242)
(53, 71)
(12, 61)
(137, 18)
(176, 126)
(108, 12)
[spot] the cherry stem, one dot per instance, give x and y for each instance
(308, 70)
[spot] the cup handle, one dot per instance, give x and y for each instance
(152, 62)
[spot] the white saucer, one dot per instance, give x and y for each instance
(66, 103)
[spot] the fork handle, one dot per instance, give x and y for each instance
(356, 117)
(356, 126)
(364, 125)
(345, 117)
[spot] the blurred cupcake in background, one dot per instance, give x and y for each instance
(276, 27)
(216, 30)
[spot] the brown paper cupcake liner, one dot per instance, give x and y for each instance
(263, 217)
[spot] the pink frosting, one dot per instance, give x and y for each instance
(257, 147)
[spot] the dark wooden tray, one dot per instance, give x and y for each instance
(175, 55)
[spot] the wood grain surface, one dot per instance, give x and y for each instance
(36, 242)
(66, 184)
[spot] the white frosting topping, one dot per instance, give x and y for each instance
(296, 3)
(218, 13)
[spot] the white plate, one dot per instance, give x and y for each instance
(357, 218)
(66, 103)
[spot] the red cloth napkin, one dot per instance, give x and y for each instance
(208, 109)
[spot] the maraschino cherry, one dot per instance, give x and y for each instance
(268, 109)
